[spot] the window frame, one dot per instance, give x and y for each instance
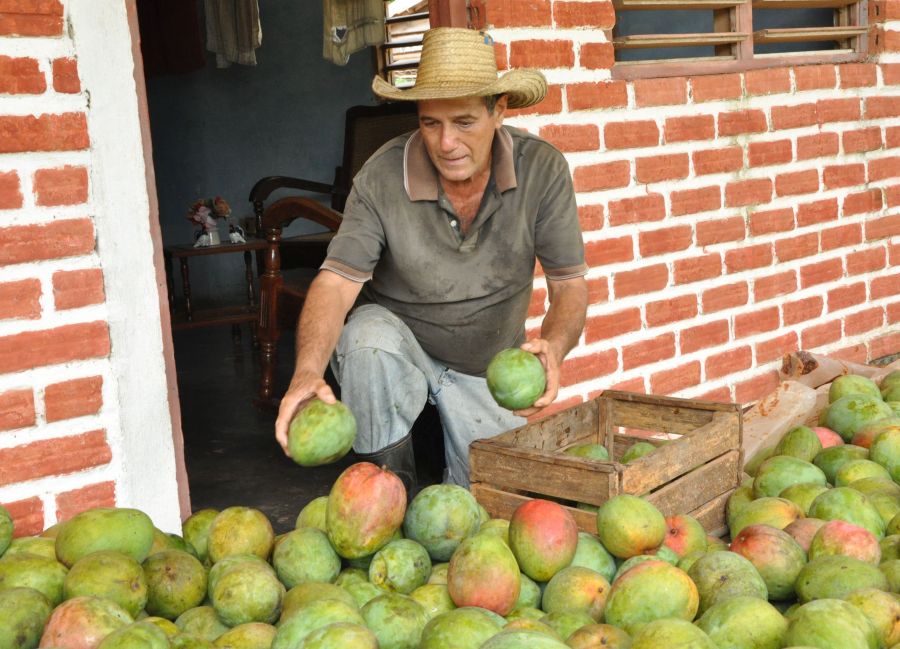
(384, 68)
(441, 13)
(744, 58)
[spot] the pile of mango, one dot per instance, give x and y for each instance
(813, 562)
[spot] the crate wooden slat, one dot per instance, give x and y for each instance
(581, 420)
(502, 504)
(697, 460)
(712, 515)
(560, 476)
(683, 415)
(681, 455)
(717, 476)
(623, 442)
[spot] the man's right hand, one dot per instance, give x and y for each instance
(303, 388)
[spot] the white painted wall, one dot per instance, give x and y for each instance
(143, 448)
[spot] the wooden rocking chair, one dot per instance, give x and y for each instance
(282, 291)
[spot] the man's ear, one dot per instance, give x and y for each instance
(500, 110)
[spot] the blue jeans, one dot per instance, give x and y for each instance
(386, 378)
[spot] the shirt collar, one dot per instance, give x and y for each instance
(420, 178)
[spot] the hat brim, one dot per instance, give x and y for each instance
(522, 87)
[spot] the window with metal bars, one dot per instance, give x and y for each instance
(404, 24)
(671, 37)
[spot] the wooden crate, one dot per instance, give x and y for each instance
(696, 466)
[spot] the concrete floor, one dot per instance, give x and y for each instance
(231, 454)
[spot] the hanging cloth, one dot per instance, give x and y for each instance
(233, 31)
(351, 25)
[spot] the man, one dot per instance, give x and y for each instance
(436, 253)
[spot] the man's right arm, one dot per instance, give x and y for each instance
(330, 298)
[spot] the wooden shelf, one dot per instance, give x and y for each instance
(252, 244)
(301, 248)
(187, 250)
(678, 40)
(807, 34)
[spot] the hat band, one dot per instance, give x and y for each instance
(464, 88)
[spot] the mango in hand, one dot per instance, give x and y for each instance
(516, 378)
(321, 433)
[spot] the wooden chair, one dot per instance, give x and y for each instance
(282, 291)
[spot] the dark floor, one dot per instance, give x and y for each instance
(229, 443)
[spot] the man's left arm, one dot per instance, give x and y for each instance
(560, 332)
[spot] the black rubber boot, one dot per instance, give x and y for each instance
(398, 458)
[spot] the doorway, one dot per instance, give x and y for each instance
(215, 132)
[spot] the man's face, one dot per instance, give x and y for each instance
(458, 134)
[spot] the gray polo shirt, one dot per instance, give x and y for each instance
(464, 297)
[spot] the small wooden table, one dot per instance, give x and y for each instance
(235, 315)
(306, 249)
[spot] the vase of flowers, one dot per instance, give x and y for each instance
(205, 212)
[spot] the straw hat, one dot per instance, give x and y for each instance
(461, 63)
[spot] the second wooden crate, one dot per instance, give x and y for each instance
(693, 470)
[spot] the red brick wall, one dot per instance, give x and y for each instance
(728, 218)
(54, 338)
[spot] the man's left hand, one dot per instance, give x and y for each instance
(549, 359)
